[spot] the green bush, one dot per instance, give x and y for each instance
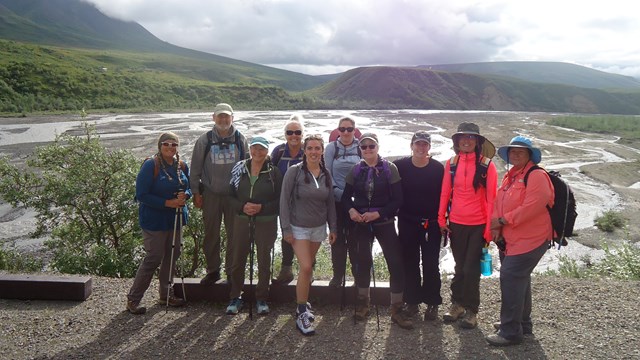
(14, 261)
(622, 263)
(83, 195)
(609, 221)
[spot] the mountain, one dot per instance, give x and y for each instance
(397, 87)
(77, 24)
(545, 72)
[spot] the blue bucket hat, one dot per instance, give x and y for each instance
(520, 142)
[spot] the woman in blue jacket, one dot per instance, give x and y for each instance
(162, 189)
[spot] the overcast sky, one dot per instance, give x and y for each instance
(329, 36)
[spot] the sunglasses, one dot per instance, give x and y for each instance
(293, 132)
(343, 129)
(370, 147)
(467, 136)
(170, 144)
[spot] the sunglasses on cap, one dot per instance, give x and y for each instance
(169, 144)
(370, 147)
(293, 132)
(343, 129)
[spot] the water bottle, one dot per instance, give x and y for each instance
(486, 266)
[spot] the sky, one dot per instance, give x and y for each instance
(330, 36)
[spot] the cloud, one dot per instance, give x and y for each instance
(338, 34)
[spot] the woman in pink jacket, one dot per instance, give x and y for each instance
(521, 220)
(466, 204)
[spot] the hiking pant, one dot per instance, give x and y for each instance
(415, 247)
(515, 286)
(360, 245)
(467, 242)
(265, 237)
(287, 253)
(214, 208)
(158, 245)
(339, 248)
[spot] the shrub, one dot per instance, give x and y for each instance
(609, 221)
(14, 261)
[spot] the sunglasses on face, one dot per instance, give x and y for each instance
(343, 129)
(293, 132)
(169, 144)
(370, 147)
(467, 137)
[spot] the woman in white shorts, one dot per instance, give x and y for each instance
(306, 207)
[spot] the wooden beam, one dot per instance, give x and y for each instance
(44, 287)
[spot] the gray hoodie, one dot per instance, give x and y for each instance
(341, 163)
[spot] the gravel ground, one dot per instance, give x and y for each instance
(573, 319)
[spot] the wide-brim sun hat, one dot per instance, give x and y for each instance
(488, 149)
(520, 142)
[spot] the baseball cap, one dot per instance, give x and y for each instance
(223, 108)
(259, 140)
(421, 136)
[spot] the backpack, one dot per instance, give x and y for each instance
(563, 213)
(337, 155)
(236, 141)
(275, 160)
(156, 169)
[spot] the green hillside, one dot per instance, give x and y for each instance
(393, 87)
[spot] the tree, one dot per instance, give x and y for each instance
(84, 195)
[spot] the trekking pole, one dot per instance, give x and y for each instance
(343, 298)
(355, 303)
(173, 246)
(252, 234)
(373, 272)
(184, 293)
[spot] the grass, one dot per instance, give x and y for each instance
(627, 127)
(621, 263)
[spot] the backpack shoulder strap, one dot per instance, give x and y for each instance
(209, 144)
(485, 161)
(239, 145)
(278, 156)
(453, 164)
(526, 176)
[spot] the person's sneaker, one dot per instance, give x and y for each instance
(497, 340)
(431, 313)
(211, 278)
(135, 308)
(234, 306)
(469, 320)
(304, 324)
(284, 277)
(454, 313)
(312, 317)
(262, 308)
(412, 309)
(335, 282)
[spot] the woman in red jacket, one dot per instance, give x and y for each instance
(466, 204)
(520, 217)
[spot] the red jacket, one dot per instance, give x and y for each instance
(525, 209)
(468, 206)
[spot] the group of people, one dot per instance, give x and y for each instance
(347, 193)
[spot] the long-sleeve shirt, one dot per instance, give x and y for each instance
(340, 160)
(306, 204)
(214, 172)
(524, 208)
(153, 190)
(468, 206)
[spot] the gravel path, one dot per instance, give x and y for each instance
(573, 319)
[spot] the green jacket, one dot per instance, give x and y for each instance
(265, 190)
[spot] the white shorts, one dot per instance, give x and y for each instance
(315, 234)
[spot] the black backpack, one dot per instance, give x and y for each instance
(563, 213)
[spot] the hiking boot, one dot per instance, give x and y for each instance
(362, 308)
(174, 300)
(400, 317)
(496, 326)
(284, 277)
(309, 312)
(412, 309)
(454, 313)
(234, 306)
(497, 340)
(305, 324)
(211, 278)
(262, 308)
(469, 320)
(135, 308)
(335, 282)
(431, 313)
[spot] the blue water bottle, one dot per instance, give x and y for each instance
(486, 266)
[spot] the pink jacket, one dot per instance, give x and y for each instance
(468, 207)
(525, 209)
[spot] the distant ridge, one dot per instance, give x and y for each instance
(545, 72)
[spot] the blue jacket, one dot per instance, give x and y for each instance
(151, 194)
